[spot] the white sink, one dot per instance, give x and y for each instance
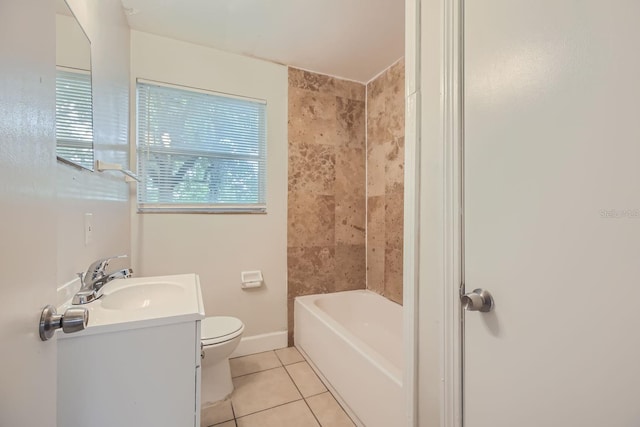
(142, 296)
(142, 302)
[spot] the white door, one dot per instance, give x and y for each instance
(552, 214)
(27, 215)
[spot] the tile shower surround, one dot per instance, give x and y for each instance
(385, 182)
(333, 133)
(326, 249)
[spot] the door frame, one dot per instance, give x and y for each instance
(433, 233)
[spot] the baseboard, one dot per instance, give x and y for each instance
(259, 343)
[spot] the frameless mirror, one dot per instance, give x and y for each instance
(74, 106)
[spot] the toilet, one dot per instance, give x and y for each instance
(220, 335)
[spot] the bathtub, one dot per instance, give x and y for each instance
(353, 339)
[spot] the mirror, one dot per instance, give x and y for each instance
(74, 106)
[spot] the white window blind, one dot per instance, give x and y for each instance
(199, 151)
(74, 117)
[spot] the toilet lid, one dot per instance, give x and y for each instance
(217, 329)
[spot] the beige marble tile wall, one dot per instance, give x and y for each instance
(326, 249)
(385, 182)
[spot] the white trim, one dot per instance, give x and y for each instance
(411, 269)
(260, 343)
(453, 124)
(411, 236)
(150, 82)
(437, 226)
(208, 208)
(73, 70)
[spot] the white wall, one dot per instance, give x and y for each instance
(105, 195)
(219, 246)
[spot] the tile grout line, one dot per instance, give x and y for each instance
(332, 396)
(339, 405)
(292, 363)
(326, 391)
(267, 409)
(322, 392)
(366, 186)
(304, 398)
(318, 394)
(279, 357)
(312, 413)
(255, 354)
(252, 354)
(257, 372)
(294, 383)
(282, 365)
(233, 412)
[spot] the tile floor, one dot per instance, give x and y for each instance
(275, 389)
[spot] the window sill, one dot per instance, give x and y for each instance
(217, 211)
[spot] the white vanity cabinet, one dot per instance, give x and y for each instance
(136, 373)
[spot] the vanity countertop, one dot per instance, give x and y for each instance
(142, 302)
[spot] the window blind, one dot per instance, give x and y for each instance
(74, 117)
(199, 151)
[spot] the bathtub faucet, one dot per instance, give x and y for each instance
(96, 277)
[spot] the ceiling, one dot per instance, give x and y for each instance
(351, 39)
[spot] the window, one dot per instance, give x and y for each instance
(199, 151)
(74, 117)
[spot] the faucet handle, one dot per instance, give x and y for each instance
(100, 265)
(105, 262)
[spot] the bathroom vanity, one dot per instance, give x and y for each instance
(138, 361)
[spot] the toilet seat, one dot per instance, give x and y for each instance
(218, 329)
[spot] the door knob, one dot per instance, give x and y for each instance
(478, 300)
(73, 320)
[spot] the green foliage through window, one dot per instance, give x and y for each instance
(200, 151)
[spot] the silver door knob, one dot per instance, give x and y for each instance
(478, 300)
(73, 320)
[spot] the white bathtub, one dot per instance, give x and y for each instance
(354, 340)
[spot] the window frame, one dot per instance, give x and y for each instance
(206, 208)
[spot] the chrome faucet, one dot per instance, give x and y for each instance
(95, 278)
